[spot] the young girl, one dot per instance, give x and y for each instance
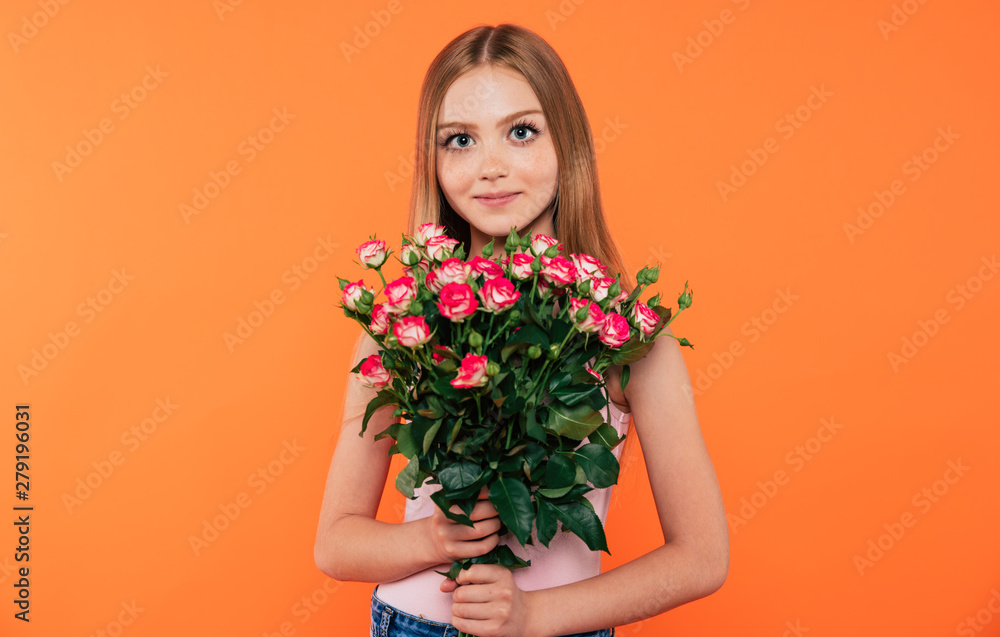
(503, 141)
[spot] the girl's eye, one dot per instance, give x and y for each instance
(463, 140)
(523, 131)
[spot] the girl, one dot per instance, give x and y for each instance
(503, 141)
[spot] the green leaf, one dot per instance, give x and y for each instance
(513, 502)
(626, 372)
(444, 503)
(582, 521)
(572, 394)
(404, 440)
(381, 399)
(607, 436)
(532, 427)
(502, 555)
(575, 423)
(457, 477)
(430, 433)
(546, 521)
(406, 480)
(599, 464)
(560, 472)
(554, 494)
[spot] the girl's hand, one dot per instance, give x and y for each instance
(487, 603)
(453, 541)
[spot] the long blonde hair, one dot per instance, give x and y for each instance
(578, 219)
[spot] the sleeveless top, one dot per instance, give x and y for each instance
(567, 558)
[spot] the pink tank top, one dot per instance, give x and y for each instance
(566, 560)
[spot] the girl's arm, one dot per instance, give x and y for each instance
(351, 544)
(694, 559)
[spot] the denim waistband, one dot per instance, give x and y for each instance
(388, 621)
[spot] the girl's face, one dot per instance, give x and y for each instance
(496, 163)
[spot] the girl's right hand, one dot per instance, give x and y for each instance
(453, 541)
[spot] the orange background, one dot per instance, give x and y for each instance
(672, 130)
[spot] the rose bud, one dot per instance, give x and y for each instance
(487, 267)
(426, 231)
(644, 319)
(380, 319)
(433, 281)
(411, 331)
(399, 294)
(472, 373)
(593, 372)
(353, 294)
(615, 330)
(440, 247)
(540, 243)
(593, 318)
(558, 271)
(498, 294)
(457, 302)
(372, 373)
(410, 255)
(372, 253)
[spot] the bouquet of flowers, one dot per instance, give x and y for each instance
(496, 368)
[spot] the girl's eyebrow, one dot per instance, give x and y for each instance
(500, 123)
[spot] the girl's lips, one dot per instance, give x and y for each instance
(495, 202)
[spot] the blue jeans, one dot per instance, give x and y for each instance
(388, 621)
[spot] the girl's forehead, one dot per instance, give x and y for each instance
(486, 92)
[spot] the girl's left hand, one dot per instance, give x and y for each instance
(487, 603)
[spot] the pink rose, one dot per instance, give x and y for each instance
(380, 319)
(587, 266)
(411, 331)
(599, 286)
(399, 294)
(498, 294)
(594, 320)
(472, 373)
(487, 267)
(410, 255)
(644, 318)
(352, 294)
(540, 243)
(558, 271)
(615, 330)
(433, 281)
(440, 357)
(440, 247)
(372, 253)
(457, 302)
(544, 289)
(520, 265)
(425, 231)
(453, 271)
(372, 373)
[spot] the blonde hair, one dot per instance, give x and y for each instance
(578, 219)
